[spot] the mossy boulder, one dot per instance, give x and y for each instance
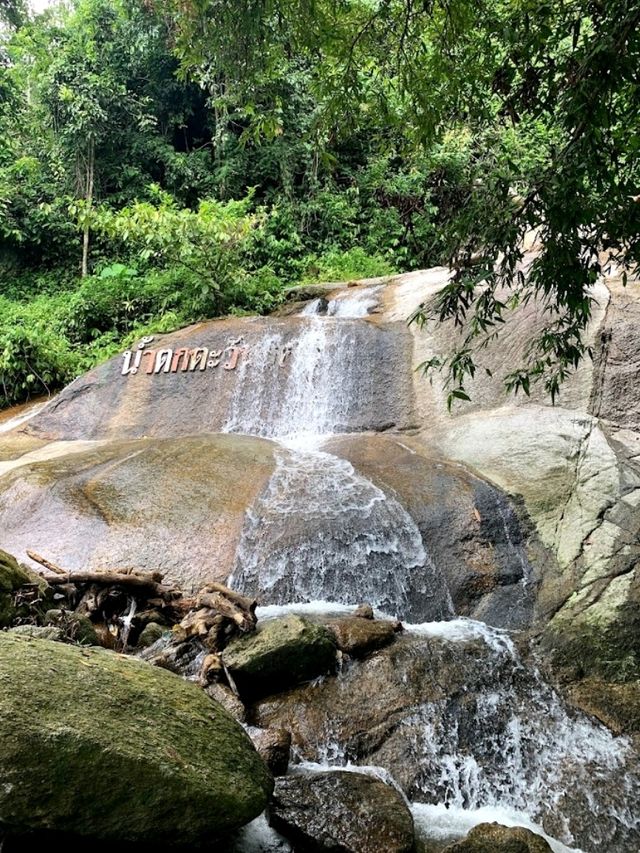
(12, 577)
(281, 653)
(98, 745)
(75, 627)
(495, 838)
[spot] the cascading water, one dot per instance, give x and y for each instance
(501, 746)
(322, 531)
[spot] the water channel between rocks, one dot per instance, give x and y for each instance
(498, 743)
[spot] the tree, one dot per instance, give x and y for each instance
(85, 89)
(562, 77)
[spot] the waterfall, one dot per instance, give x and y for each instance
(321, 531)
(500, 744)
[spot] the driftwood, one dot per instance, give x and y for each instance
(57, 570)
(106, 578)
(120, 603)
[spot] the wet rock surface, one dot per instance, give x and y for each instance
(358, 636)
(341, 812)
(431, 696)
(253, 378)
(273, 746)
(471, 531)
(102, 746)
(493, 838)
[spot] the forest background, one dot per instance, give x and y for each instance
(161, 163)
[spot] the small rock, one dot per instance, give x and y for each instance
(273, 746)
(12, 577)
(341, 811)
(40, 631)
(494, 838)
(149, 634)
(74, 626)
(280, 653)
(358, 636)
(364, 611)
(228, 699)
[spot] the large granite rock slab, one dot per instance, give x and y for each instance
(175, 505)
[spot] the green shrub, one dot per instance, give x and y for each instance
(336, 265)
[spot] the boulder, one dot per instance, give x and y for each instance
(280, 653)
(274, 747)
(358, 636)
(12, 577)
(342, 812)
(100, 746)
(150, 634)
(494, 838)
(75, 627)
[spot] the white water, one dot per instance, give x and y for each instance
(439, 823)
(258, 837)
(351, 303)
(511, 749)
(321, 531)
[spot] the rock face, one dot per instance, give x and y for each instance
(98, 745)
(247, 372)
(575, 466)
(341, 812)
(175, 505)
(470, 530)
(280, 653)
(493, 838)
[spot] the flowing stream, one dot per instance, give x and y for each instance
(505, 748)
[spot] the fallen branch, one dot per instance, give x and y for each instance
(107, 578)
(37, 558)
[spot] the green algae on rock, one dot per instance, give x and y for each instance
(12, 577)
(281, 653)
(106, 747)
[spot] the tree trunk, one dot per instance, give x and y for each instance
(91, 160)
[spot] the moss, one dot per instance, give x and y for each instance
(610, 650)
(281, 653)
(96, 744)
(12, 576)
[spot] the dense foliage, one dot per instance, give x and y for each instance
(171, 161)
